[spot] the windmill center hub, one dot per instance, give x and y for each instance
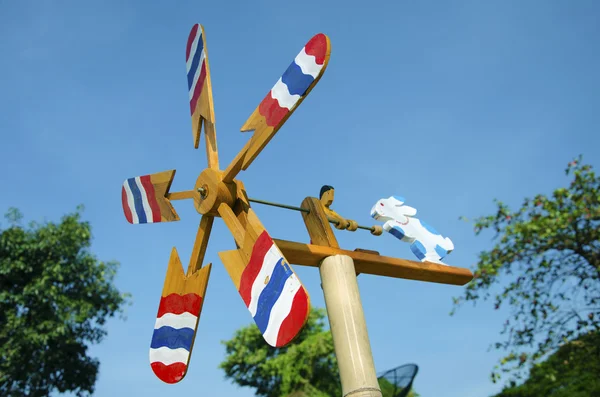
(213, 192)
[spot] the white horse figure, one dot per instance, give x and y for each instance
(425, 242)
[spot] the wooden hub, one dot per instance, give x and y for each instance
(214, 192)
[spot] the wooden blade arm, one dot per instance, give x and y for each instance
(236, 164)
(200, 243)
(187, 194)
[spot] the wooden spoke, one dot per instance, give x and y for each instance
(212, 153)
(187, 194)
(200, 244)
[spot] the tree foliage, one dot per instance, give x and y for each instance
(547, 253)
(306, 366)
(388, 389)
(573, 371)
(55, 297)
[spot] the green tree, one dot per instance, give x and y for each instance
(573, 371)
(55, 297)
(547, 253)
(388, 389)
(307, 367)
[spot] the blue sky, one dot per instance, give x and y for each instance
(449, 104)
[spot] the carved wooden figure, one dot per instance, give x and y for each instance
(327, 196)
(425, 242)
(259, 266)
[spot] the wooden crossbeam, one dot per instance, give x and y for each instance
(368, 263)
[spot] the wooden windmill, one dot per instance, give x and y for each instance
(260, 265)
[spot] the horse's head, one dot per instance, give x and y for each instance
(392, 209)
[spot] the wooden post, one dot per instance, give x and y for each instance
(348, 327)
(344, 309)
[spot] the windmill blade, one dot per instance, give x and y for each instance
(179, 310)
(177, 320)
(200, 93)
(282, 100)
(144, 198)
(269, 287)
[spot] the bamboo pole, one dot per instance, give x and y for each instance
(344, 308)
(348, 327)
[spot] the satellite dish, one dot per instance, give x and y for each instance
(397, 382)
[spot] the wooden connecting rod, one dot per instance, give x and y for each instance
(375, 230)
